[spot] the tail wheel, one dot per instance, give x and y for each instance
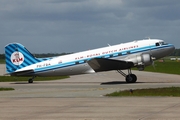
(131, 78)
(30, 80)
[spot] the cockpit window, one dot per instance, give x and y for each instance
(157, 44)
(161, 43)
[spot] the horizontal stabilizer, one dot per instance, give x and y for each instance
(103, 64)
(22, 73)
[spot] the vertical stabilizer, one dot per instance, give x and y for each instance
(17, 57)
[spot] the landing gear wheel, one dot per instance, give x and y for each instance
(30, 80)
(131, 78)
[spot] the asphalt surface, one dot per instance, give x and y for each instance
(82, 97)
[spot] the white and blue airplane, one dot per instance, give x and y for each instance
(140, 53)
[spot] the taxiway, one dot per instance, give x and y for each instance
(82, 97)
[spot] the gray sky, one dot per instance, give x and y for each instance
(56, 26)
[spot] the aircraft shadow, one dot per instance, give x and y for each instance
(117, 82)
(104, 83)
(22, 83)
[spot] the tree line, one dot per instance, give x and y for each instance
(175, 53)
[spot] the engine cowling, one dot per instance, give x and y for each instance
(140, 61)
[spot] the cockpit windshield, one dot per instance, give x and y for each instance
(160, 43)
(163, 43)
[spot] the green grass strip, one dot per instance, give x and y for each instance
(6, 89)
(170, 67)
(2, 61)
(167, 91)
(15, 79)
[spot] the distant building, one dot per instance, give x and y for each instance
(173, 59)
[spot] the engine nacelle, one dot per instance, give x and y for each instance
(140, 61)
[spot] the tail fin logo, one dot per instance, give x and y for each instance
(17, 58)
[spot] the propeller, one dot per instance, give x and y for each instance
(153, 59)
(153, 63)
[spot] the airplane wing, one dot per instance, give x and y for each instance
(103, 64)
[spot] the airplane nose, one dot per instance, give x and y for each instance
(164, 52)
(170, 49)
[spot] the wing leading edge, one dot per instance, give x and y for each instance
(103, 64)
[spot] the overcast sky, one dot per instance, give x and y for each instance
(56, 26)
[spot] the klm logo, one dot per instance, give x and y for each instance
(17, 58)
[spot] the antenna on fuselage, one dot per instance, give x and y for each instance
(148, 38)
(109, 45)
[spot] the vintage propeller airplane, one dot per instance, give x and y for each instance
(140, 53)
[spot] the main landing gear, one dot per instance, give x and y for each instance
(130, 78)
(31, 79)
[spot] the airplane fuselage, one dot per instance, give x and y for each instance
(76, 63)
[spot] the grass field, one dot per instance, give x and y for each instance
(170, 67)
(169, 91)
(6, 89)
(14, 79)
(2, 61)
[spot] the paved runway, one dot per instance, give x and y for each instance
(82, 97)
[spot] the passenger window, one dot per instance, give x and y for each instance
(157, 44)
(128, 52)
